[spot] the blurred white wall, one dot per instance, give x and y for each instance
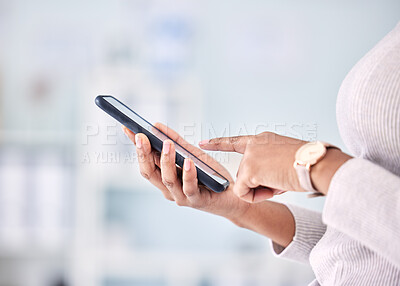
(73, 207)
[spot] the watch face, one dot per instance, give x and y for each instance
(310, 153)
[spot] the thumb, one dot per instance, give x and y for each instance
(229, 144)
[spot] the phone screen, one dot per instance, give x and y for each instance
(141, 126)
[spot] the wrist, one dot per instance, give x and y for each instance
(322, 172)
(270, 219)
(238, 217)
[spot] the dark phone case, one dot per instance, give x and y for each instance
(156, 143)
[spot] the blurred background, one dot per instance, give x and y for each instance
(73, 207)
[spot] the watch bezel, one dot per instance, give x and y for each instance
(308, 162)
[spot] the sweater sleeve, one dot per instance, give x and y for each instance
(309, 230)
(363, 202)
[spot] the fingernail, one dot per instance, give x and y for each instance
(204, 142)
(186, 164)
(138, 141)
(166, 147)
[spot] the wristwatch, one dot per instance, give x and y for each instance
(306, 156)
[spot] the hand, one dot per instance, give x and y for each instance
(161, 171)
(267, 168)
(269, 218)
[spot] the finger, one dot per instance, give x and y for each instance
(252, 195)
(243, 191)
(156, 156)
(189, 181)
(129, 133)
(206, 158)
(261, 194)
(229, 144)
(168, 171)
(171, 133)
(192, 149)
(147, 166)
(249, 189)
(178, 139)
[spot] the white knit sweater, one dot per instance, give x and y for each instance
(356, 239)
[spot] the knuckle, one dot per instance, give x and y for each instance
(168, 183)
(189, 193)
(237, 192)
(245, 166)
(252, 140)
(180, 203)
(246, 172)
(234, 140)
(157, 159)
(250, 145)
(141, 157)
(148, 175)
(216, 141)
(189, 180)
(264, 137)
(165, 159)
(145, 174)
(168, 197)
(265, 134)
(253, 180)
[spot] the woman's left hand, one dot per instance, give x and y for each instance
(267, 168)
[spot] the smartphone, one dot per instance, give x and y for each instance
(137, 124)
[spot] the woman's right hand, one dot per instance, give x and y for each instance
(161, 171)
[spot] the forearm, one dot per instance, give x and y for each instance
(271, 219)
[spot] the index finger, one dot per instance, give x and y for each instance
(178, 139)
(251, 193)
(229, 144)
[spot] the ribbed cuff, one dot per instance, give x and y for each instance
(309, 230)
